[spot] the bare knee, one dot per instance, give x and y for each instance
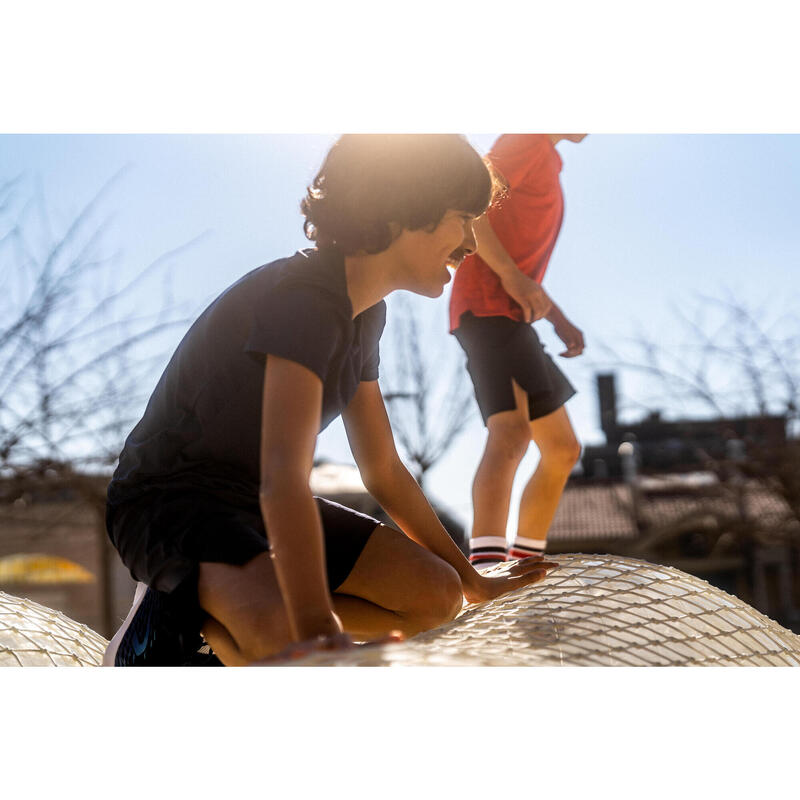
(562, 455)
(451, 594)
(509, 441)
(254, 636)
(262, 633)
(247, 606)
(439, 599)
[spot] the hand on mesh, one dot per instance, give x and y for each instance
(524, 572)
(338, 641)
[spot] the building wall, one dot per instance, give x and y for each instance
(71, 530)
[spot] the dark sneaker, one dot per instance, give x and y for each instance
(154, 634)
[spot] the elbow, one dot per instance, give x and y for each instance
(382, 479)
(373, 483)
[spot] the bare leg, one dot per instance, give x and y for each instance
(559, 451)
(394, 585)
(247, 618)
(508, 441)
(397, 585)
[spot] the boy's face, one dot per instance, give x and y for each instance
(425, 255)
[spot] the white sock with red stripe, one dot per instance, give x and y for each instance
(524, 548)
(486, 551)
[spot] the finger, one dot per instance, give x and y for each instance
(523, 567)
(530, 577)
(391, 638)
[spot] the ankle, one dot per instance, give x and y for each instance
(523, 547)
(485, 551)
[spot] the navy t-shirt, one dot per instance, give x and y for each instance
(201, 429)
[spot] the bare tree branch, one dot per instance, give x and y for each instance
(68, 375)
(426, 387)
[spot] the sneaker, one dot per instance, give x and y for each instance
(153, 634)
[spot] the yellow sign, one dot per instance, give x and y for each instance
(39, 568)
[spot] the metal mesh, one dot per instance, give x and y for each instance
(597, 611)
(32, 635)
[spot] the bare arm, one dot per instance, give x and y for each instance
(533, 300)
(571, 335)
(389, 482)
(289, 425)
(392, 485)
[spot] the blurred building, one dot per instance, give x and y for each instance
(54, 550)
(660, 446)
(710, 497)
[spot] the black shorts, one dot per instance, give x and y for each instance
(499, 349)
(163, 536)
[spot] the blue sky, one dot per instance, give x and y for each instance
(652, 222)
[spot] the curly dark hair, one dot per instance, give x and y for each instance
(369, 181)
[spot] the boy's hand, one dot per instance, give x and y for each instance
(523, 573)
(571, 336)
(533, 300)
(337, 641)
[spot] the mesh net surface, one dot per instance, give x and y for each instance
(596, 611)
(590, 611)
(32, 635)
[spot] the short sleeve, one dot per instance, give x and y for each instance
(516, 154)
(371, 338)
(300, 324)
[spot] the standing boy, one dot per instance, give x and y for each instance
(520, 391)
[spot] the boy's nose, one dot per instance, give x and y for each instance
(469, 245)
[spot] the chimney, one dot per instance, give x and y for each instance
(607, 397)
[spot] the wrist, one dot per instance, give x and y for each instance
(471, 579)
(555, 315)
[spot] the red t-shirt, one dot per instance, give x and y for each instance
(527, 222)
